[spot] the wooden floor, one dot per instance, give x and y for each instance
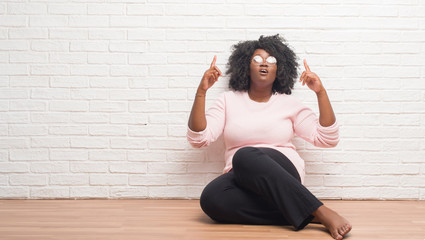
(183, 219)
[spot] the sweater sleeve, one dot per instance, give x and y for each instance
(215, 117)
(307, 126)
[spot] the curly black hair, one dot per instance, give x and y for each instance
(240, 59)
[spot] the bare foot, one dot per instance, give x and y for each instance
(337, 225)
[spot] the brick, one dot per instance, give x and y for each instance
(28, 33)
(50, 167)
(49, 192)
(165, 118)
(107, 58)
(12, 143)
(68, 155)
(28, 180)
(343, 181)
(50, 142)
(4, 155)
(89, 167)
(88, 46)
(27, 130)
(128, 143)
(131, 71)
(89, 70)
(124, 118)
(27, 8)
(49, 117)
(146, 58)
(88, 21)
(9, 168)
(48, 21)
(68, 106)
(186, 179)
(107, 155)
(151, 82)
(170, 94)
(168, 192)
(148, 106)
(69, 34)
(147, 131)
(180, 106)
(78, 58)
(127, 94)
(4, 106)
(29, 81)
(51, 69)
(27, 105)
(128, 46)
(89, 94)
(185, 156)
(50, 93)
(89, 142)
(68, 130)
(13, 21)
(13, 93)
(50, 45)
(109, 82)
(207, 167)
(29, 155)
(68, 180)
(145, 9)
(146, 156)
(147, 34)
(128, 167)
(89, 192)
(128, 21)
(108, 180)
(169, 168)
(108, 130)
(14, 192)
(89, 117)
(168, 144)
(398, 193)
(129, 192)
(148, 180)
(18, 45)
(68, 9)
(101, 106)
(103, 34)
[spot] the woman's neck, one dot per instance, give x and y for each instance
(259, 95)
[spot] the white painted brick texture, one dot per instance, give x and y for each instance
(95, 95)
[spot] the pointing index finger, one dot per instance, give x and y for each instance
(213, 62)
(307, 68)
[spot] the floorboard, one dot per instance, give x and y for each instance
(184, 220)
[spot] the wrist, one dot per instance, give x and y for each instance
(322, 91)
(201, 93)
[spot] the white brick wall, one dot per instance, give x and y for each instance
(95, 96)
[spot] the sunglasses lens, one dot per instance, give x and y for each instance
(258, 59)
(271, 60)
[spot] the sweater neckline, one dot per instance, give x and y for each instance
(255, 102)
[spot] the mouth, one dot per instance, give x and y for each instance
(263, 72)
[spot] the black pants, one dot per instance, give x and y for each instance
(263, 187)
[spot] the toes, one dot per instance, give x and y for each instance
(344, 229)
(336, 235)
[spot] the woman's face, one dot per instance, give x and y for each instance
(262, 68)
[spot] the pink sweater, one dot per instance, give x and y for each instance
(244, 122)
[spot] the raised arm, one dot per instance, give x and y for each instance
(197, 119)
(327, 116)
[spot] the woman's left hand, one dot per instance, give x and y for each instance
(311, 79)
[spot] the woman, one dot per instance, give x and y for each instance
(262, 180)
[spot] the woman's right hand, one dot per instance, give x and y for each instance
(210, 77)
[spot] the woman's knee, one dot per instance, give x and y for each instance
(243, 157)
